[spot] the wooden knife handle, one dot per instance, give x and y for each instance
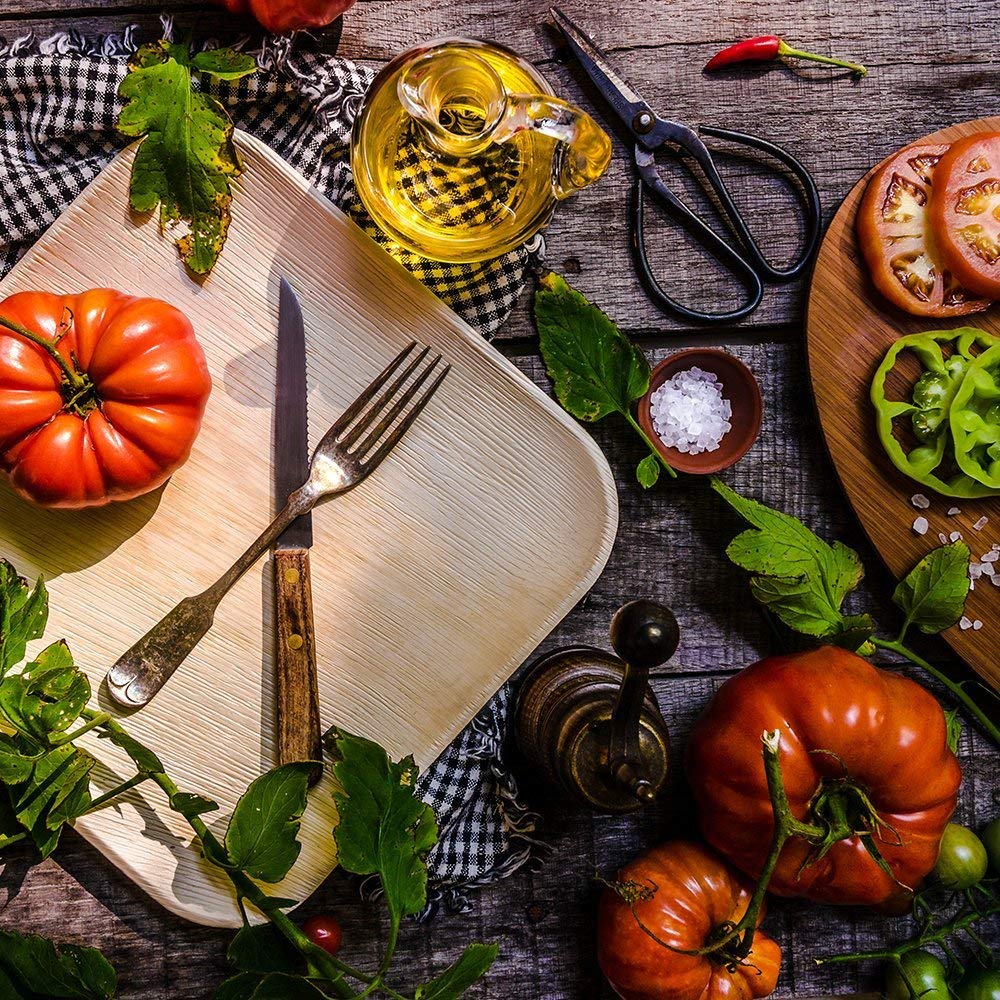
(295, 659)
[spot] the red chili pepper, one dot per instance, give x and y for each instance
(767, 47)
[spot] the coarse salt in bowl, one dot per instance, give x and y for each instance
(702, 411)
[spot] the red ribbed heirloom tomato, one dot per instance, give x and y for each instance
(682, 892)
(863, 751)
(101, 395)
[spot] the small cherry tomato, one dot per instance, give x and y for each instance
(324, 931)
(991, 841)
(924, 972)
(961, 860)
(965, 212)
(979, 984)
(894, 233)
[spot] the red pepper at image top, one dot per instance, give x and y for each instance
(764, 48)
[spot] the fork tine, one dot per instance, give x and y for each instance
(404, 425)
(344, 420)
(348, 437)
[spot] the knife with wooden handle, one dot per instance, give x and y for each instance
(295, 650)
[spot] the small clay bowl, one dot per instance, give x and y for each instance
(738, 386)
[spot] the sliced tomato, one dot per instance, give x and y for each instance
(902, 254)
(965, 211)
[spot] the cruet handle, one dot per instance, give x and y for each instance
(585, 149)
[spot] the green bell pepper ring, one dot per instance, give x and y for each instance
(929, 409)
(975, 420)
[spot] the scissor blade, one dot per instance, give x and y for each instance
(291, 418)
(616, 91)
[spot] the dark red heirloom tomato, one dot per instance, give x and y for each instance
(101, 395)
(325, 932)
(693, 892)
(861, 746)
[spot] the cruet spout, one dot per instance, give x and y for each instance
(465, 109)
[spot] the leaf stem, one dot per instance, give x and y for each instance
(103, 800)
(332, 968)
(649, 444)
(96, 720)
(896, 646)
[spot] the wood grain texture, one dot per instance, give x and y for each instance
(671, 540)
(849, 329)
(494, 487)
(296, 686)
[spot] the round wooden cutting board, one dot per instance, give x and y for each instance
(849, 327)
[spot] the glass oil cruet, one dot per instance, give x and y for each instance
(460, 151)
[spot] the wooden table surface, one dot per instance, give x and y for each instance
(930, 64)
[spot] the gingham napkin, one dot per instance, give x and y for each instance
(58, 106)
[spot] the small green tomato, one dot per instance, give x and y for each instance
(925, 973)
(991, 840)
(961, 859)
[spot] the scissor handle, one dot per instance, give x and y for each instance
(649, 177)
(809, 197)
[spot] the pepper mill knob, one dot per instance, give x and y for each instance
(644, 634)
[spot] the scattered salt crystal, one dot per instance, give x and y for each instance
(977, 625)
(952, 511)
(988, 569)
(975, 570)
(992, 556)
(955, 536)
(981, 523)
(972, 585)
(689, 412)
(942, 538)
(920, 525)
(995, 579)
(964, 623)
(920, 501)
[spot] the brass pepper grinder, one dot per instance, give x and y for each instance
(590, 722)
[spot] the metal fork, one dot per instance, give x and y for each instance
(350, 451)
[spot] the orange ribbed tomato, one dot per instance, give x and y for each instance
(855, 740)
(691, 891)
(116, 414)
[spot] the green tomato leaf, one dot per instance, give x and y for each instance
(224, 64)
(238, 987)
(933, 593)
(262, 838)
(23, 613)
(648, 471)
(145, 760)
(854, 635)
(47, 697)
(280, 987)
(190, 805)
(384, 828)
(798, 576)
(473, 964)
(57, 792)
(263, 950)
(187, 156)
(39, 969)
(594, 368)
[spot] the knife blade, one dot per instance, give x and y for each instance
(297, 697)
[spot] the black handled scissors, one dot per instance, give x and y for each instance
(745, 260)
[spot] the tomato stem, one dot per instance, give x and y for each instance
(74, 378)
(896, 646)
(933, 935)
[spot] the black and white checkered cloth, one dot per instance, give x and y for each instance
(58, 107)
